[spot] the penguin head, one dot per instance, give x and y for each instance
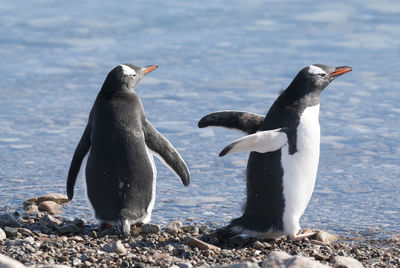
(314, 78)
(126, 77)
(317, 76)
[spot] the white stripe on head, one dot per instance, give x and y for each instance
(315, 70)
(127, 70)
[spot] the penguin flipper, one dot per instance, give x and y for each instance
(163, 149)
(80, 152)
(262, 142)
(244, 121)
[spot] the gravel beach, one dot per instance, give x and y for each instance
(42, 239)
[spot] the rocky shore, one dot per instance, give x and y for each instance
(36, 238)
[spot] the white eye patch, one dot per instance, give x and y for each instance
(315, 70)
(127, 70)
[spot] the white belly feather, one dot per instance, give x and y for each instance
(300, 169)
(153, 194)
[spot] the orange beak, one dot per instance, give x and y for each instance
(341, 70)
(148, 69)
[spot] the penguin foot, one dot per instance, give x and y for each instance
(125, 228)
(301, 236)
(105, 225)
(225, 233)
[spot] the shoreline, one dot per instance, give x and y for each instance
(40, 238)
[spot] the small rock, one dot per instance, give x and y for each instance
(159, 256)
(373, 260)
(258, 245)
(184, 265)
(150, 228)
(325, 237)
(345, 262)
(31, 208)
(53, 266)
(239, 265)
(25, 232)
(58, 198)
(7, 262)
(116, 247)
(69, 228)
(204, 229)
(2, 235)
(76, 262)
(280, 259)
(190, 229)
(77, 239)
(28, 240)
(10, 232)
(267, 245)
(84, 257)
(173, 227)
(196, 243)
(87, 263)
(78, 222)
(49, 221)
(50, 206)
(7, 219)
(227, 253)
(169, 247)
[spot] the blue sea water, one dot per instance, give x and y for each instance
(213, 55)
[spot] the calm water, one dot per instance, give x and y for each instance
(213, 55)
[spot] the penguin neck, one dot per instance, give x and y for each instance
(121, 89)
(301, 93)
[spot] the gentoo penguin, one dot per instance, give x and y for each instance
(283, 162)
(119, 143)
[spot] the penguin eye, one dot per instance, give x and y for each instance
(322, 74)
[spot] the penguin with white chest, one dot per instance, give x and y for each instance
(119, 144)
(283, 162)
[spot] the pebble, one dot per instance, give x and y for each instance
(258, 245)
(50, 221)
(2, 235)
(159, 256)
(239, 265)
(204, 229)
(31, 208)
(36, 243)
(7, 262)
(346, 262)
(173, 227)
(196, 243)
(57, 198)
(169, 247)
(226, 253)
(325, 237)
(280, 259)
(76, 262)
(373, 260)
(7, 219)
(10, 232)
(116, 247)
(69, 228)
(150, 228)
(184, 265)
(50, 207)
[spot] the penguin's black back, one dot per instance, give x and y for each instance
(119, 173)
